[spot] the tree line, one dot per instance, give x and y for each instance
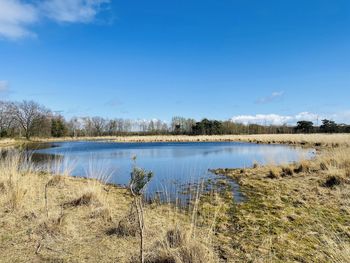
(28, 119)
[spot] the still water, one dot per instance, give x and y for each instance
(174, 164)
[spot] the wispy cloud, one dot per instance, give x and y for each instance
(275, 119)
(72, 11)
(17, 17)
(271, 98)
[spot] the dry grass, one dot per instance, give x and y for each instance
(78, 220)
(10, 142)
(292, 213)
(331, 140)
(302, 217)
(178, 247)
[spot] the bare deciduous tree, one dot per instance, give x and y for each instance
(6, 119)
(99, 125)
(28, 115)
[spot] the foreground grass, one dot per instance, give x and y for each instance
(295, 213)
(55, 218)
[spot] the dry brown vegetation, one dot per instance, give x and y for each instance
(331, 140)
(11, 142)
(55, 218)
(291, 213)
(294, 213)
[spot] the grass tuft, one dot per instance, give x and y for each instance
(175, 237)
(86, 199)
(103, 213)
(287, 171)
(274, 173)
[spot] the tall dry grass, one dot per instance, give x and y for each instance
(66, 217)
(15, 181)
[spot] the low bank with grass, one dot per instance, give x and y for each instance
(310, 140)
(294, 213)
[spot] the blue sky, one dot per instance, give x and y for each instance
(267, 61)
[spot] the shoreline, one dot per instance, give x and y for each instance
(307, 140)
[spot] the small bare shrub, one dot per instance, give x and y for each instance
(138, 182)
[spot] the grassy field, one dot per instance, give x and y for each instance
(292, 213)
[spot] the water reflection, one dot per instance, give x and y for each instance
(174, 164)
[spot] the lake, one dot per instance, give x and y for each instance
(175, 165)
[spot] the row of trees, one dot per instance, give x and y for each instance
(28, 118)
(180, 125)
(328, 126)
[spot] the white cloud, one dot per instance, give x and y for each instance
(72, 11)
(275, 119)
(17, 17)
(273, 97)
(264, 119)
